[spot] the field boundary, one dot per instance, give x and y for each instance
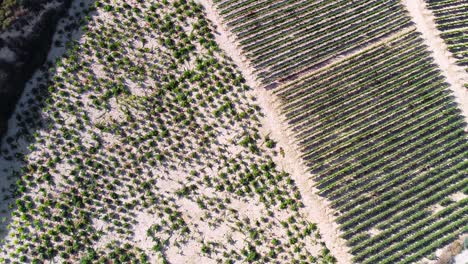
(272, 122)
(343, 57)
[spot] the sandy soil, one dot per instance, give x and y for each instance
(7, 167)
(315, 206)
(462, 258)
(456, 75)
(454, 252)
(27, 29)
(213, 227)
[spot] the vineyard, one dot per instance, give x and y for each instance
(452, 21)
(386, 144)
(334, 137)
(284, 38)
(451, 18)
(141, 144)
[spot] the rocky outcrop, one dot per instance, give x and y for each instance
(24, 48)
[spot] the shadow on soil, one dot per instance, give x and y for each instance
(25, 107)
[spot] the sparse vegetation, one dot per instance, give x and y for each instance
(144, 131)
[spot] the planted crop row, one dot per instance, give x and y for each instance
(379, 129)
(385, 144)
(119, 140)
(282, 38)
(451, 18)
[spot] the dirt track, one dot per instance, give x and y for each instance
(455, 75)
(316, 207)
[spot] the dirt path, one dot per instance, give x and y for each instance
(455, 75)
(291, 163)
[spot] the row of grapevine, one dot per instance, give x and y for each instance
(451, 17)
(386, 145)
(283, 38)
(141, 144)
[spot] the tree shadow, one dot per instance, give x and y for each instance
(26, 120)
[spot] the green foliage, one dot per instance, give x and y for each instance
(7, 12)
(145, 127)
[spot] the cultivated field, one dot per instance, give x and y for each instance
(142, 144)
(241, 131)
(375, 121)
(284, 38)
(387, 146)
(451, 18)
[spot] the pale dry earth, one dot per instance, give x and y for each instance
(456, 76)
(273, 124)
